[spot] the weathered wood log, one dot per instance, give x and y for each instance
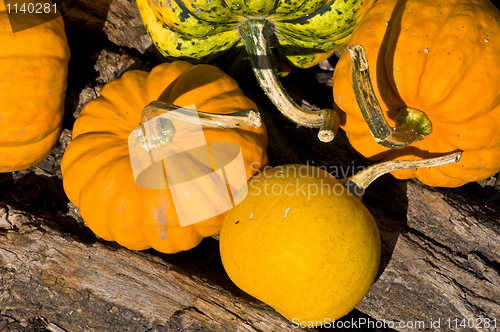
(441, 247)
(444, 265)
(95, 287)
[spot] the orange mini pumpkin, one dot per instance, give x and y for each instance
(442, 58)
(33, 71)
(96, 167)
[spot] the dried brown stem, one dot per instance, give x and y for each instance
(360, 181)
(255, 34)
(224, 121)
(412, 125)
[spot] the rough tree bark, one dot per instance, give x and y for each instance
(441, 247)
(82, 286)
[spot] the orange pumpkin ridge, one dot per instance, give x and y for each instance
(33, 72)
(440, 58)
(96, 167)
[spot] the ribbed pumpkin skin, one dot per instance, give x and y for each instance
(441, 57)
(97, 174)
(33, 71)
(308, 31)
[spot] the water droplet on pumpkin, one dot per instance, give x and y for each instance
(251, 216)
(486, 40)
(426, 50)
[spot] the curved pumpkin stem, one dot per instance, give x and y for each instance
(158, 131)
(224, 121)
(412, 125)
(255, 34)
(360, 181)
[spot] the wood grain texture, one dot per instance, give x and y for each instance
(440, 247)
(95, 287)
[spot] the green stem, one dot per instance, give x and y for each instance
(412, 125)
(255, 34)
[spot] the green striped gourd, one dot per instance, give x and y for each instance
(301, 33)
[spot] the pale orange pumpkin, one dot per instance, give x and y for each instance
(33, 71)
(96, 167)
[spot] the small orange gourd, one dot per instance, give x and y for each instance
(96, 167)
(33, 71)
(441, 58)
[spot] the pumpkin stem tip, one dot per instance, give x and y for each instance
(330, 126)
(254, 119)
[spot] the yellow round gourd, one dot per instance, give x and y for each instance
(301, 243)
